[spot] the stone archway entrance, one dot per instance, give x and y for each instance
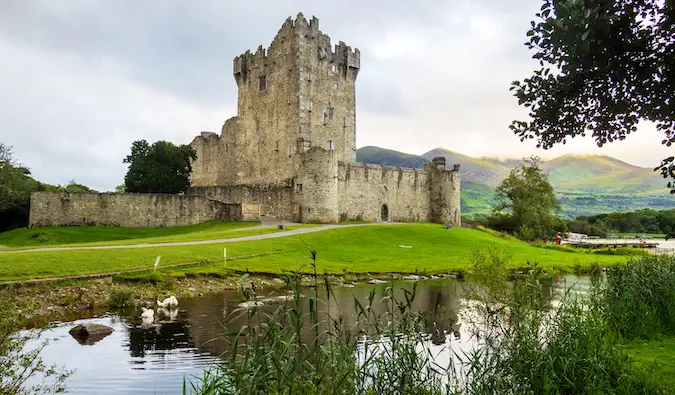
(384, 213)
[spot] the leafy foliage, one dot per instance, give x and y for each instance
(641, 221)
(158, 168)
(17, 365)
(16, 186)
(526, 203)
(604, 66)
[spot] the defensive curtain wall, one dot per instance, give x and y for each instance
(127, 210)
(327, 191)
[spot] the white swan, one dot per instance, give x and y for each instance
(170, 302)
(170, 313)
(147, 314)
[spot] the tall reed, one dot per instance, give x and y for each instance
(521, 344)
(308, 346)
(639, 297)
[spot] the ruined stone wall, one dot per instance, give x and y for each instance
(296, 94)
(363, 190)
(126, 210)
(410, 195)
(276, 201)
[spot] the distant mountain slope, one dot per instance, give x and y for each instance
(476, 170)
(602, 174)
(585, 184)
(381, 156)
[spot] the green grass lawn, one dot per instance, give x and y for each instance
(50, 236)
(356, 249)
(657, 356)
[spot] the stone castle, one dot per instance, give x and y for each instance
(290, 153)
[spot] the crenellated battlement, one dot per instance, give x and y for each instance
(289, 38)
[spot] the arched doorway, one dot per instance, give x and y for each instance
(384, 213)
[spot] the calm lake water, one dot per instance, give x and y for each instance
(155, 359)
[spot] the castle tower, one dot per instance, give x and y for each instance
(444, 193)
(298, 89)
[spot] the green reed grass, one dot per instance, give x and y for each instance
(639, 297)
(310, 347)
(522, 344)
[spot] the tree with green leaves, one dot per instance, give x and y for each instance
(605, 65)
(526, 204)
(16, 186)
(162, 167)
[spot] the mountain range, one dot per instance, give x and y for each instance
(584, 184)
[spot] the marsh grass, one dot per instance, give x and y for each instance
(639, 297)
(526, 347)
(308, 346)
(521, 344)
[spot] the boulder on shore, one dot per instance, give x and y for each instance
(90, 333)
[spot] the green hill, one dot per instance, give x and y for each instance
(381, 156)
(602, 174)
(475, 170)
(585, 184)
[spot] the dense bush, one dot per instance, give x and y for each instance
(640, 221)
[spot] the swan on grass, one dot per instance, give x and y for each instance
(170, 302)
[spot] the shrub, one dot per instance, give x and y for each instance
(122, 298)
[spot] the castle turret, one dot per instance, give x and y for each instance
(316, 187)
(444, 193)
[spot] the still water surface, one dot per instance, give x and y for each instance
(156, 359)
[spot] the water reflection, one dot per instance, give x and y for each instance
(155, 358)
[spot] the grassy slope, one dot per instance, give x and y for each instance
(382, 156)
(476, 199)
(357, 249)
(602, 174)
(25, 237)
(656, 356)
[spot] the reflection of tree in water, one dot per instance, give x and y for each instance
(167, 336)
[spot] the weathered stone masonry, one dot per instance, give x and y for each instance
(127, 210)
(289, 153)
(292, 146)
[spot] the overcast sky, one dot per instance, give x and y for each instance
(81, 80)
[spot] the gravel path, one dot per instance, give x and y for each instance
(287, 233)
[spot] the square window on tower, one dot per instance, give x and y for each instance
(331, 145)
(263, 82)
(330, 113)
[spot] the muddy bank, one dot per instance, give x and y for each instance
(63, 299)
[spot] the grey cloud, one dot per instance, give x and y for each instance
(82, 79)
